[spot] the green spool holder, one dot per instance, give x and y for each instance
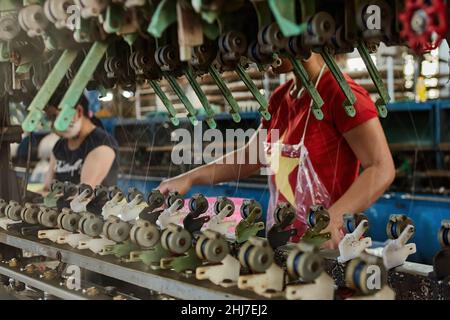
(247, 227)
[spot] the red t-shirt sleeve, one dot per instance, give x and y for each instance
(365, 108)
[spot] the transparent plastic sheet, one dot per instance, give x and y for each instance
(309, 189)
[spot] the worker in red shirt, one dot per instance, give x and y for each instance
(317, 161)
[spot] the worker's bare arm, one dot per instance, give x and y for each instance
(50, 174)
(226, 168)
(369, 144)
(97, 165)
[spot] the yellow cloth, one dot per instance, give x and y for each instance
(35, 187)
(282, 169)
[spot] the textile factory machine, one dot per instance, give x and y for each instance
(156, 233)
(158, 243)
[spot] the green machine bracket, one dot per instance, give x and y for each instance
(4, 52)
(211, 16)
(188, 261)
(263, 12)
(235, 109)
(81, 79)
(165, 100)
(180, 93)
(122, 249)
(51, 199)
(384, 98)
(314, 234)
(208, 16)
(113, 18)
(55, 193)
(285, 15)
(35, 110)
(151, 257)
(164, 15)
(202, 97)
(301, 73)
(315, 238)
(350, 98)
(264, 105)
(247, 227)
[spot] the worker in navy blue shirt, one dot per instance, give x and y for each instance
(85, 153)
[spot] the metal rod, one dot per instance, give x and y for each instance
(35, 110)
(184, 100)
(202, 97)
(78, 84)
(384, 98)
(349, 95)
(165, 100)
(235, 109)
(301, 73)
(264, 105)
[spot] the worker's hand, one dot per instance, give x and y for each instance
(182, 184)
(335, 227)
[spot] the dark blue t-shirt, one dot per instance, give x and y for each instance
(69, 162)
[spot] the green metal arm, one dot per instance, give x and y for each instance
(113, 18)
(226, 93)
(264, 105)
(78, 84)
(188, 261)
(285, 15)
(345, 87)
(121, 250)
(202, 97)
(150, 257)
(165, 100)
(384, 98)
(45, 93)
(301, 73)
(165, 14)
(180, 93)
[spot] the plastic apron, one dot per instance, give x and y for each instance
(309, 190)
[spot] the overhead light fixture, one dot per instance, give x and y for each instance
(109, 97)
(127, 94)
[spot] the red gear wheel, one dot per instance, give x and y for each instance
(428, 36)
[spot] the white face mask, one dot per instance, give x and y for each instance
(72, 131)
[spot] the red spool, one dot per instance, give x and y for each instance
(428, 36)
